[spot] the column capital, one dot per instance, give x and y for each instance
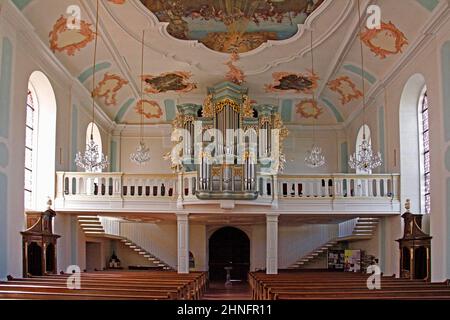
(182, 216)
(272, 217)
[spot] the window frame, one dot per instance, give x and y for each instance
(424, 153)
(34, 107)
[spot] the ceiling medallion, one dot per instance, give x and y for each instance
(309, 109)
(109, 87)
(177, 81)
(388, 40)
(294, 82)
(345, 87)
(149, 109)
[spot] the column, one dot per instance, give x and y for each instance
(183, 242)
(272, 244)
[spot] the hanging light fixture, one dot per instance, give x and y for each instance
(314, 157)
(142, 154)
(92, 160)
(364, 158)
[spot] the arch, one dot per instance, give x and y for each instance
(229, 246)
(44, 163)
(409, 140)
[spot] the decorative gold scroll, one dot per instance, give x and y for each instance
(227, 102)
(247, 107)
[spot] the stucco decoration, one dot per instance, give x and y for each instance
(388, 40)
(345, 87)
(109, 87)
(70, 41)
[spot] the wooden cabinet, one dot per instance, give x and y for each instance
(415, 248)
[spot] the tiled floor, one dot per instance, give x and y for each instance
(237, 291)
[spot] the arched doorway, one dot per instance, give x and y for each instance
(229, 247)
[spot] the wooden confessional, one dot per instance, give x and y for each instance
(39, 244)
(415, 248)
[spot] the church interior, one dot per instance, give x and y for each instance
(224, 149)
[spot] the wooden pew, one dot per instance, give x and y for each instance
(149, 285)
(336, 286)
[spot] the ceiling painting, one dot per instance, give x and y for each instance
(292, 82)
(345, 87)
(207, 21)
(388, 40)
(109, 87)
(309, 109)
(63, 39)
(177, 81)
(149, 109)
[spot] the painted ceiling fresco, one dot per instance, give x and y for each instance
(207, 21)
(286, 81)
(178, 72)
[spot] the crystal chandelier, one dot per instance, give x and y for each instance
(364, 159)
(92, 160)
(142, 154)
(314, 157)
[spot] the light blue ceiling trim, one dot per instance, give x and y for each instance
(88, 72)
(123, 109)
(357, 70)
(428, 4)
(21, 4)
(333, 108)
(286, 110)
(170, 109)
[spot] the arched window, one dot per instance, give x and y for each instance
(40, 142)
(93, 129)
(359, 139)
(30, 147)
(414, 146)
(424, 145)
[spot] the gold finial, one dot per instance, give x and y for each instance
(408, 205)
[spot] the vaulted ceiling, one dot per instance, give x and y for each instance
(186, 51)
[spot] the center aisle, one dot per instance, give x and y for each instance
(218, 291)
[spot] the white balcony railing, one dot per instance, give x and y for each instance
(180, 189)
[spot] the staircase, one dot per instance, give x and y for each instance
(92, 227)
(364, 229)
(156, 262)
(313, 255)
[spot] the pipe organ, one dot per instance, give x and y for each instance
(229, 143)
